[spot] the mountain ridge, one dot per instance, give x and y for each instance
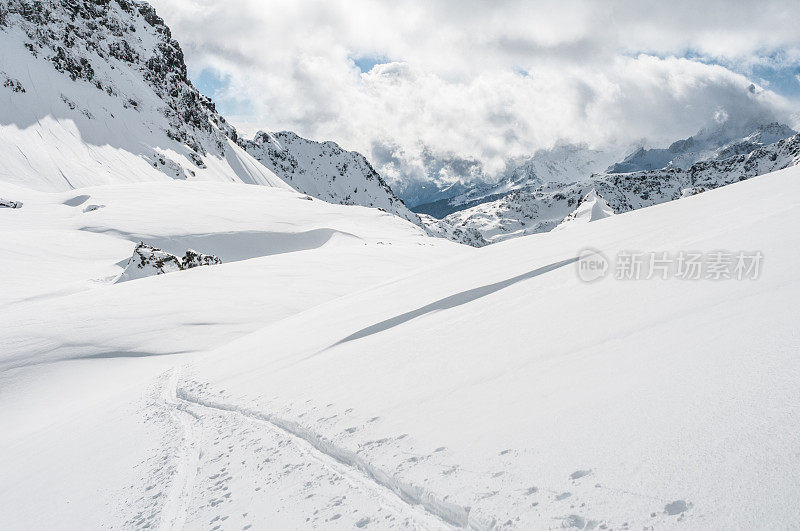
(538, 209)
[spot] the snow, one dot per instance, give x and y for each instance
(326, 171)
(563, 163)
(720, 141)
(378, 377)
(69, 134)
(332, 364)
(537, 209)
(591, 208)
(148, 260)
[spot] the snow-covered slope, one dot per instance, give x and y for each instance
(721, 141)
(94, 346)
(514, 395)
(231, 221)
(96, 93)
(326, 171)
(354, 373)
(540, 208)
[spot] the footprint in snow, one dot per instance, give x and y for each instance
(580, 473)
(676, 507)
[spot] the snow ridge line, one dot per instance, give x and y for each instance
(451, 513)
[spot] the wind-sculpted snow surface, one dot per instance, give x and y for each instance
(516, 389)
(539, 209)
(378, 378)
(93, 368)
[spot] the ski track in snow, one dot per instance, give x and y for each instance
(179, 498)
(412, 506)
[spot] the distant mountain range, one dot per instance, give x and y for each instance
(721, 141)
(567, 163)
(540, 207)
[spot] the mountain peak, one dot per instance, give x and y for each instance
(721, 140)
(590, 208)
(107, 74)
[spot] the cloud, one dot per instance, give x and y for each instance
(455, 89)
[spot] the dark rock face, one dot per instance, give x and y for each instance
(12, 84)
(194, 259)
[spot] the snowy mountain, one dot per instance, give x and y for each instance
(416, 193)
(564, 163)
(540, 208)
(591, 208)
(326, 171)
(721, 141)
(97, 92)
(568, 163)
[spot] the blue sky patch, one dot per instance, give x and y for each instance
(212, 83)
(366, 62)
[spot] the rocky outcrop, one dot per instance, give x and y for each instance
(7, 203)
(148, 261)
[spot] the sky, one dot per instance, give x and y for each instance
(454, 90)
